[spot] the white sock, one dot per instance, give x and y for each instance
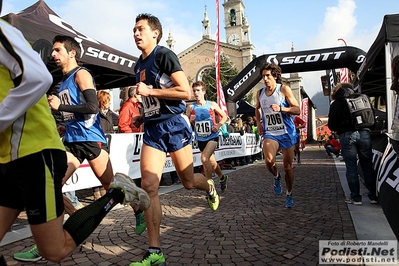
(211, 191)
(154, 250)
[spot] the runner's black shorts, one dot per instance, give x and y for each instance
(202, 144)
(89, 150)
(34, 183)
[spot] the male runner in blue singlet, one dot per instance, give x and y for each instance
(277, 105)
(202, 115)
(163, 86)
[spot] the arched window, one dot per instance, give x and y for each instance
(233, 17)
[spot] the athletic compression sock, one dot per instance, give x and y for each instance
(84, 221)
(3, 261)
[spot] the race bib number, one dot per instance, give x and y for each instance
(65, 99)
(274, 122)
(203, 128)
(151, 106)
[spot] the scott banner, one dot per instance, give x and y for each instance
(386, 166)
(301, 61)
(125, 156)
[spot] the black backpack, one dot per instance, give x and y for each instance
(361, 110)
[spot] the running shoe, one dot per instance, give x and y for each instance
(133, 194)
(213, 201)
(373, 201)
(277, 185)
(140, 223)
(223, 183)
(289, 202)
(352, 201)
(150, 259)
(31, 255)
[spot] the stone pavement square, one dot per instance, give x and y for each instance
(251, 226)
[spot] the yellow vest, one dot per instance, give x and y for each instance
(32, 132)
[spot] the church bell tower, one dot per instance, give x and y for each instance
(237, 28)
(236, 23)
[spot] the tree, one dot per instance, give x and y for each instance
(227, 72)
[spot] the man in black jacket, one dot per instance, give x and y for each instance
(355, 144)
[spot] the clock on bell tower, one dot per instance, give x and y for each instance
(233, 39)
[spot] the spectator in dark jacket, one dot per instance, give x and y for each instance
(249, 124)
(106, 115)
(355, 144)
(230, 127)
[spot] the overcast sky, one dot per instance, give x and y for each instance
(275, 25)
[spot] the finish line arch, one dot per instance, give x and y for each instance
(301, 61)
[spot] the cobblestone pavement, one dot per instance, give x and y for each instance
(251, 226)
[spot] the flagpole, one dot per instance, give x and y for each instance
(344, 73)
(219, 89)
